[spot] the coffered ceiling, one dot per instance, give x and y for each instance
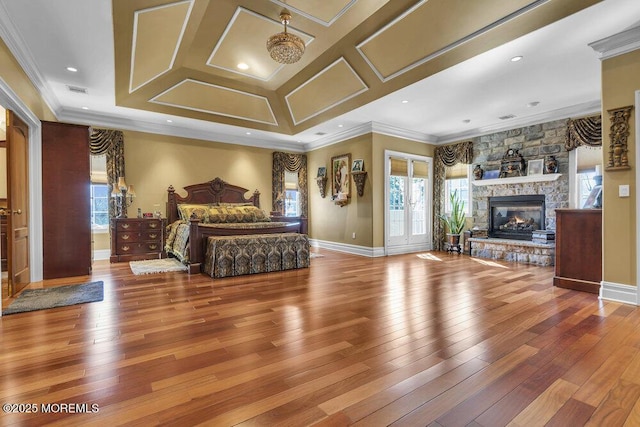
(144, 64)
(183, 57)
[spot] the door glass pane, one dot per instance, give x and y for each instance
(418, 208)
(396, 206)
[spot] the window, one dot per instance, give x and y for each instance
(588, 161)
(291, 195)
(457, 179)
(99, 206)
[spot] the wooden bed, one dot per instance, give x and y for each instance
(218, 191)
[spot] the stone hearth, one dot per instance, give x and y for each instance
(521, 251)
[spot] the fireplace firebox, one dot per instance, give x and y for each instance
(516, 217)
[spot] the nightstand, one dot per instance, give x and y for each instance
(137, 239)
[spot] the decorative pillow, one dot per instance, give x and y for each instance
(236, 214)
(199, 211)
(221, 214)
(231, 205)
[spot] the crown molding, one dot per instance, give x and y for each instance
(617, 44)
(587, 108)
(365, 128)
(181, 131)
(397, 132)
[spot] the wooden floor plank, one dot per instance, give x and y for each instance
(430, 339)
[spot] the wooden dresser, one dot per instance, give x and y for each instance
(578, 249)
(137, 239)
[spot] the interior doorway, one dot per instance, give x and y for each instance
(11, 101)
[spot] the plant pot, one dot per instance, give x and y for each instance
(453, 243)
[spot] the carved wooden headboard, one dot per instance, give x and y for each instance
(214, 191)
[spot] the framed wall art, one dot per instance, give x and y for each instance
(340, 179)
(535, 167)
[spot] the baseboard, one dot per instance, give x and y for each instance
(408, 249)
(350, 249)
(618, 292)
(101, 254)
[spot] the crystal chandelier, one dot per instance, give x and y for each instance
(284, 47)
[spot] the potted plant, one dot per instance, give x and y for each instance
(454, 221)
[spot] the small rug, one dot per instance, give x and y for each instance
(151, 266)
(58, 296)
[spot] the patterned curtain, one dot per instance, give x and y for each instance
(585, 131)
(293, 163)
(446, 155)
(110, 143)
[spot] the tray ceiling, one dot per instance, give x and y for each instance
(182, 57)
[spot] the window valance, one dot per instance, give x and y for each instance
(584, 131)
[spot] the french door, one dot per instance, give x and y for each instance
(408, 203)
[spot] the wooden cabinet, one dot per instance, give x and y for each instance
(66, 200)
(137, 238)
(578, 249)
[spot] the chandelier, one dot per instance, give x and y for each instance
(284, 47)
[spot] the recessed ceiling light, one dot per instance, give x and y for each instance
(516, 58)
(169, 121)
(404, 101)
(72, 69)
(340, 126)
(243, 66)
(248, 133)
(85, 108)
(533, 104)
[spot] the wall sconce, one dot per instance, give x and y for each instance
(322, 185)
(359, 178)
(124, 195)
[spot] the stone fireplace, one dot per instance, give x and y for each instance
(516, 217)
(510, 239)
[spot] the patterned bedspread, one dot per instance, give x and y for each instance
(258, 253)
(245, 225)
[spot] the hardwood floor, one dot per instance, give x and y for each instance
(432, 339)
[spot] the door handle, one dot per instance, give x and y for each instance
(19, 211)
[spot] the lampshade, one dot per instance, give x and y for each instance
(121, 184)
(283, 47)
(130, 191)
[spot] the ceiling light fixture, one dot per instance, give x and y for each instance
(516, 58)
(72, 69)
(243, 66)
(404, 101)
(284, 47)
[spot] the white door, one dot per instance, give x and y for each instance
(407, 203)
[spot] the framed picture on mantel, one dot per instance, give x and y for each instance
(535, 167)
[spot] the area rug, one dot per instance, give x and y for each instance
(58, 296)
(151, 266)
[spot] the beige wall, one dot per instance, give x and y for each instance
(363, 215)
(620, 80)
(101, 241)
(333, 223)
(153, 162)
